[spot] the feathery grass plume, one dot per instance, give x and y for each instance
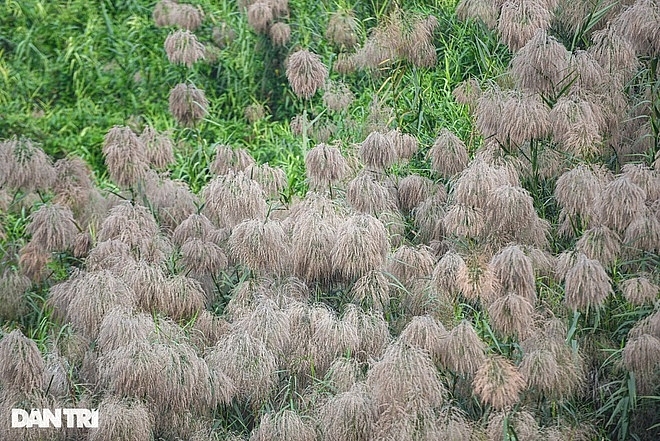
(543, 262)
(125, 156)
(542, 372)
(587, 284)
(284, 425)
(367, 195)
(223, 35)
(52, 227)
(468, 93)
(73, 183)
(186, 16)
(269, 324)
(273, 180)
(306, 73)
(166, 375)
(541, 65)
(615, 53)
(404, 144)
(485, 11)
(172, 200)
(454, 425)
(182, 47)
(373, 332)
(648, 325)
(419, 48)
(512, 315)
(405, 377)
(200, 257)
(349, 415)
(13, 286)
(523, 424)
(408, 263)
(261, 246)
(449, 155)
(523, 118)
(600, 243)
(181, 298)
(361, 246)
(510, 214)
(123, 419)
(232, 199)
(450, 274)
(645, 178)
(480, 282)
(196, 226)
(429, 217)
(86, 298)
(639, 23)
(248, 363)
(188, 104)
(475, 183)
(128, 223)
(121, 327)
(280, 34)
(330, 338)
(641, 355)
(462, 351)
(25, 166)
(312, 240)
(27, 401)
(643, 233)
(520, 20)
(639, 290)
(619, 203)
(260, 16)
(577, 191)
(162, 12)
(426, 333)
(576, 125)
(228, 159)
(343, 374)
(344, 64)
(372, 291)
(515, 273)
(158, 147)
(498, 383)
(464, 221)
(337, 96)
(342, 29)
(413, 190)
(325, 166)
(56, 375)
(377, 151)
(32, 260)
(21, 363)
(110, 255)
(207, 330)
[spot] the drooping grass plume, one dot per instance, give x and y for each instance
(372, 330)
(361, 246)
(125, 156)
(587, 284)
(21, 363)
(512, 315)
(377, 152)
(182, 47)
(306, 73)
(645, 178)
(643, 232)
(228, 158)
(577, 191)
(413, 190)
(639, 290)
(130, 224)
(180, 298)
(367, 195)
(348, 415)
(188, 104)
(498, 383)
(33, 261)
(577, 125)
(260, 15)
(159, 148)
(478, 10)
(515, 273)
(280, 33)
(325, 166)
(73, 183)
(247, 362)
(269, 324)
(408, 263)
(261, 246)
(343, 374)
(524, 118)
(109, 255)
(615, 52)
(121, 327)
(284, 425)
(429, 216)
(450, 273)
(511, 216)
(337, 96)
(405, 145)
(200, 258)
(522, 422)
(52, 227)
(426, 333)
(13, 286)
(312, 241)
(641, 355)
(620, 201)
(171, 13)
(233, 198)
(272, 179)
(480, 281)
(342, 29)
(330, 338)
(463, 221)
(405, 377)
(25, 166)
(172, 201)
(196, 226)
(372, 291)
(600, 243)
(449, 154)
(463, 351)
(520, 20)
(475, 183)
(123, 419)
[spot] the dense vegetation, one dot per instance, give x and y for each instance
(346, 220)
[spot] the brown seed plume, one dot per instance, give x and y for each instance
(306, 73)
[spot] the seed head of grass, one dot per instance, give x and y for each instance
(280, 34)
(306, 73)
(123, 419)
(125, 156)
(232, 199)
(498, 383)
(21, 363)
(188, 104)
(463, 351)
(182, 47)
(361, 246)
(587, 284)
(25, 166)
(261, 246)
(377, 152)
(348, 415)
(342, 29)
(228, 158)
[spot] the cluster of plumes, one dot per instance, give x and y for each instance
(188, 104)
(172, 13)
(306, 73)
(263, 16)
(641, 354)
(398, 37)
(25, 167)
(182, 47)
